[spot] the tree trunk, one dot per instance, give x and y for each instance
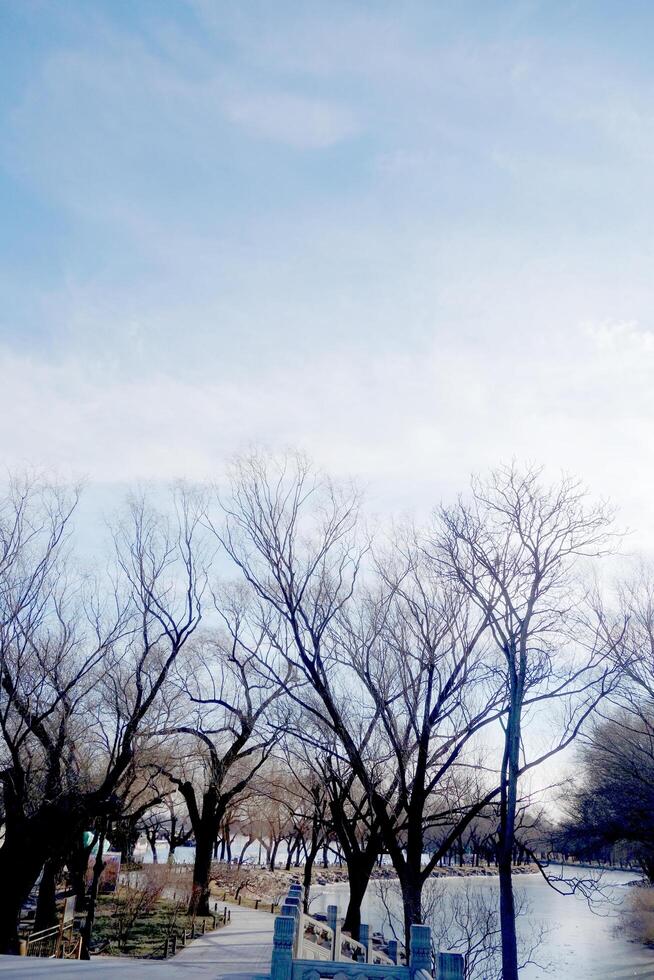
(411, 886)
(289, 854)
(46, 906)
(199, 904)
(247, 844)
(77, 871)
(152, 841)
(172, 839)
(359, 869)
(20, 864)
(87, 930)
(508, 803)
(308, 871)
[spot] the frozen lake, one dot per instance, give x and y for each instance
(581, 944)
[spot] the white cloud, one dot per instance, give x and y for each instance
(626, 337)
(301, 122)
(411, 427)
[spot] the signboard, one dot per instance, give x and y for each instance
(110, 871)
(69, 910)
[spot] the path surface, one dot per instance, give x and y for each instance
(240, 949)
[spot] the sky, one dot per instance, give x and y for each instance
(413, 239)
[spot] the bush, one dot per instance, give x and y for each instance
(637, 918)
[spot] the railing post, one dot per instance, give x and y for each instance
(292, 910)
(294, 904)
(420, 949)
(332, 921)
(450, 966)
(364, 934)
(281, 967)
(392, 950)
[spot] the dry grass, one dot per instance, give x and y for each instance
(637, 918)
(149, 906)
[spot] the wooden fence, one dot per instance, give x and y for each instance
(56, 943)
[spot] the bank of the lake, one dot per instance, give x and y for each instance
(580, 944)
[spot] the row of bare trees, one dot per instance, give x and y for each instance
(391, 693)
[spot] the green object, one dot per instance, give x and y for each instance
(88, 837)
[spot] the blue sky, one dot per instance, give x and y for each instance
(412, 238)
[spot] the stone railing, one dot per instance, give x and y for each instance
(305, 948)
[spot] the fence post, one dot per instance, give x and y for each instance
(332, 922)
(392, 950)
(364, 935)
(292, 907)
(338, 943)
(165, 955)
(173, 942)
(450, 966)
(294, 901)
(22, 947)
(420, 949)
(281, 966)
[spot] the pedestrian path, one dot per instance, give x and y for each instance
(240, 949)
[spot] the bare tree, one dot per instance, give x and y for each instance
(230, 687)
(399, 683)
(82, 675)
(418, 649)
(515, 547)
(354, 824)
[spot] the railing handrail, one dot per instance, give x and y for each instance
(318, 926)
(35, 937)
(354, 944)
(378, 956)
(331, 969)
(309, 945)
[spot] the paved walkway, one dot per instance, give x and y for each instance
(240, 949)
